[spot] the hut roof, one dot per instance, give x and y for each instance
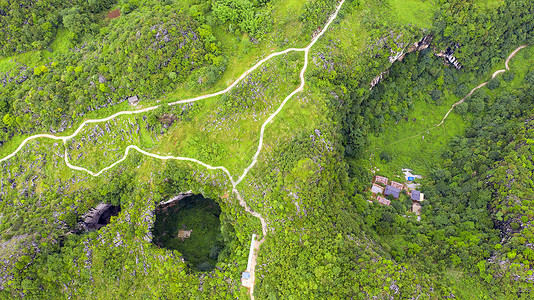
(392, 191)
(376, 189)
(417, 195)
(381, 179)
(133, 100)
(383, 201)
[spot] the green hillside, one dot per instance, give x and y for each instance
(161, 135)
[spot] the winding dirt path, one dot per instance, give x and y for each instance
(484, 83)
(461, 101)
(242, 202)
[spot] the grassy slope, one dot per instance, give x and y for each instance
(211, 133)
(415, 144)
(404, 141)
(417, 12)
(242, 55)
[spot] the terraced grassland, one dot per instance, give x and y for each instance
(220, 131)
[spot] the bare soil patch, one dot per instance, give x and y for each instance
(114, 14)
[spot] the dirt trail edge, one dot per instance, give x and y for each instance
(242, 202)
(484, 83)
(469, 94)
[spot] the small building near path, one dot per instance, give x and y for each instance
(133, 100)
(397, 185)
(383, 201)
(417, 196)
(184, 234)
(416, 208)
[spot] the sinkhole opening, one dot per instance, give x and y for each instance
(191, 225)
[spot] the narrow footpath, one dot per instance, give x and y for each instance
(484, 83)
(463, 99)
(242, 202)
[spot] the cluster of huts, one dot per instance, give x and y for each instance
(383, 187)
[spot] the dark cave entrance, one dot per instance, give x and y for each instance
(99, 216)
(190, 225)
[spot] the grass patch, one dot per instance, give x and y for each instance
(417, 12)
(490, 4)
(465, 286)
(30, 59)
(522, 63)
(6, 64)
(415, 143)
(62, 42)
(34, 58)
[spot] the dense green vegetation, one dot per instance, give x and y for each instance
(484, 36)
(143, 53)
(33, 24)
(61, 62)
(464, 215)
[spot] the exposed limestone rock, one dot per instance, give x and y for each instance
(98, 217)
(449, 55)
(176, 198)
(378, 78)
(399, 56)
(419, 46)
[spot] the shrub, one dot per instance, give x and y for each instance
(385, 157)
(493, 84)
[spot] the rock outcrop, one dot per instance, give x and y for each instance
(399, 56)
(98, 217)
(449, 56)
(419, 46)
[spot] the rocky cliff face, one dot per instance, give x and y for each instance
(98, 217)
(399, 55)
(173, 201)
(449, 56)
(422, 44)
(418, 46)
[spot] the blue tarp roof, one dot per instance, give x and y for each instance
(245, 275)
